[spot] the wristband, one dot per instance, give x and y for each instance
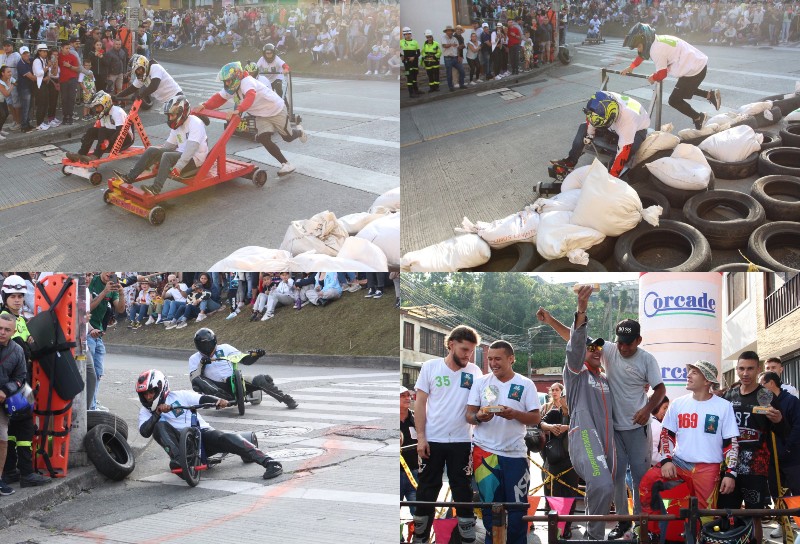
(477, 421)
(666, 460)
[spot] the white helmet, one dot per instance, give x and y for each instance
(428, 32)
(14, 284)
(406, 30)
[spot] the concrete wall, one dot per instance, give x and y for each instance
(740, 328)
(415, 355)
(422, 14)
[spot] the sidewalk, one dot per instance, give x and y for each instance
(36, 138)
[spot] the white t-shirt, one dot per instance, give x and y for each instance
(655, 435)
(678, 57)
(271, 70)
(700, 427)
(502, 436)
(632, 118)
(166, 89)
(218, 371)
(627, 378)
(267, 102)
(176, 293)
(179, 418)
(116, 118)
(194, 130)
(448, 393)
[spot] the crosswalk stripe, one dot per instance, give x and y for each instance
(389, 384)
(347, 114)
(316, 378)
(252, 422)
(342, 407)
(351, 391)
(313, 416)
(302, 396)
(355, 139)
(331, 443)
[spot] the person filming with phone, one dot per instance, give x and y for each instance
(104, 289)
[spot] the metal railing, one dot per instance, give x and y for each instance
(783, 301)
(691, 516)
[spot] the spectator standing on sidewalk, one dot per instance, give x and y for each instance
(103, 291)
(117, 64)
(452, 59)
(69, 67)
(514, 44)
(486, 51)
(408, 443)
(473, 50)
(774, 364)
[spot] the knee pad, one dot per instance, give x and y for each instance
(466, 528)
(422, 528)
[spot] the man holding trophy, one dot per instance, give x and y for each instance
(501, 405)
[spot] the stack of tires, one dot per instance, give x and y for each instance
(106, 445)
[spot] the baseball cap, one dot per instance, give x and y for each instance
(627, 331)
(708, 370)
(23, 50)
(485, 25)
(594, 341)
(404, 389)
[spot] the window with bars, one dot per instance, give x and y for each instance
(408, 336)
(431, 342)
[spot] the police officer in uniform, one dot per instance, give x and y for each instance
(431, 52)
(410, 49)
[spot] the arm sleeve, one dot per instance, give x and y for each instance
(667, 443)
(208, 399)
(619, 162)
(127, 91)
(636, 62)
(660, 75)
(154, 83)
(215, 101)
(146, 428)
(730, 450)
(247, 101)
(188, 152)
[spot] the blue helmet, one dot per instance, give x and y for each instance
(601, 110)
(640, 33)
(20, 403)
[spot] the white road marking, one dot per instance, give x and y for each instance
(386, 384)
(333, 398)
(252, 422)
(351, 391)
(348, 114)
(355, 139)
(329, 442)
(30, 151)
(330, 171)
(342, 407)
(312, 416)
(337, 376)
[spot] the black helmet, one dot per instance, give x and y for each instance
(727, 530)
(205, 341)
(268, 48)
(640, 33)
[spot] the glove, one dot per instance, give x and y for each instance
(205, 360)
(257, 352)
(587, 140)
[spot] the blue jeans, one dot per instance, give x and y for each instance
(486, 64)
(407, 491)
(138, 312)
(210, 305)
(25, 107)
(171, 309)
(449, 64)
(187, 312)
(346, 277)
(98, 351)
(215, 287)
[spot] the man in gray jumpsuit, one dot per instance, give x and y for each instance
(591, 429)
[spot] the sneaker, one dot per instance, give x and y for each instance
(777, 532)
(378, 294)
(323, 302)
(286, 169)
(273, 469)
(171, 324)
(267, 317)
(397, 302)
(149, 189)
(298, 304)
(232, 315)
(201, 317)
(150, 321)
(43, 126)
(2, 137)
(159, 320)
(716, 99)
(370, 293)
(700, 121)
(255, 317)
(620, 530)
(6, 489)
(75, 157)
(354, 288)
(34, 480)
(54, 122)
(368, 72)
(472, 83)
(101, 408)
(181, 324)
(303, 135)
(124, 177)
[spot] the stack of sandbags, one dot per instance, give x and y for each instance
(517, 227)
(258, 259)
(687, 168)
(322, 233)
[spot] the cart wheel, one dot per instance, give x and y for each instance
(259, 177)
(64, 170)
(107, 196)
(96, 178)
(157, 215)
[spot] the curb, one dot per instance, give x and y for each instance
(519, 79)
(37, 138)
(354, 361)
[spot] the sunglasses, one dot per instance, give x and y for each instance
(14, 286)
(594, 348)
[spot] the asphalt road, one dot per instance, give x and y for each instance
(352, 155)
(337, 448)
(480, 156)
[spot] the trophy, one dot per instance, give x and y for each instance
(595, 287)
(764, 398)
(490, 394)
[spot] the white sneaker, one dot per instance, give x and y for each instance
(388, 73)
(181, 324)
(472, 83)
(286, 169)
(159, 320)
(201, 317)
(777, 532)
(303, 135)
(4, 132)
(150, 321)
(267, 316)
(368, 72)
(43, 126)
(353, 288)
(2, 137)
(398, 78)
(232, 315)
(170, 324)
(55, 123)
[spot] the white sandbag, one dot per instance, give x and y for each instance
(390, 199)
(462, 251)
(364, 251)
(322, 233)
(621, 205)
(558, 237)
(385, 233)
(793, 116)
(707, 130)
(354, 222)
(318, 261)
(564, 201)
(574, 179)
(687, 168)
(656, 141)
(517, 227)
(755, 108)
(255, 259)
(733, 145)
(729, 118)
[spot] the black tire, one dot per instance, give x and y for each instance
(733, 170)
(107, 196)
(519, 257)
(157, 215)
(602, 251)
(781, 161)
(563, 265)
(96, 178)
(650, 197)
(668, 234)
(239, 383)
(738, 267)
(189, 455)
(778, 209)
(762, 121)
(725, 234)
(770, 140)
(640, 173)
(95, 418)
(677, 197)
(786, 105)
(767, 238)
(109, 452)
(64, 171)
(790, 135)
(259, 177)
(749, 121)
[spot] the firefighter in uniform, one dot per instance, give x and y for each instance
(431, 52)
(410, 49)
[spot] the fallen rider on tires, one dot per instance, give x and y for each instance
(210, 372)
(104, 131)
(164, 423)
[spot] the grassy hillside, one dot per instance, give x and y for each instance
(352, 325)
